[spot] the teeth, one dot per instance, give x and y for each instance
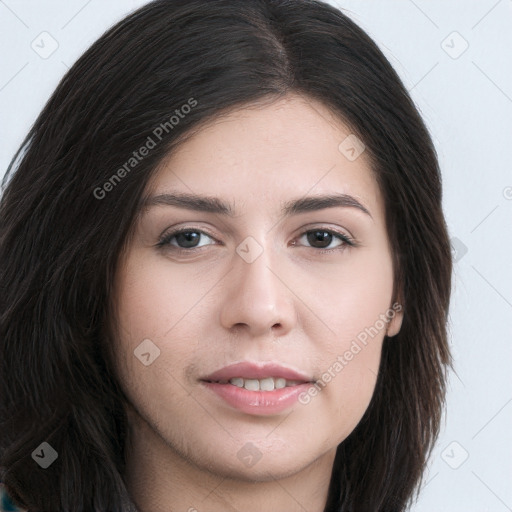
(266, 384)
(237, 381)
(280, 383)
(252, 384)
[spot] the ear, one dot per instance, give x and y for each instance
(395, 322)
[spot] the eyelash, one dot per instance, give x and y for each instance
(164, 241)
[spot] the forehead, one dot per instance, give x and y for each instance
(270, 153)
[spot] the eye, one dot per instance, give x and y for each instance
(189, 239)
(321, 239)
(184, 239)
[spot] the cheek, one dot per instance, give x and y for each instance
(156, 301)
(153, 314)
(353, 386)
(351, 294)
(353, 306)
(347, 380)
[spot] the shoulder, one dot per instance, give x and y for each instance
(6, 505)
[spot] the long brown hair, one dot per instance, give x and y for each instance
(60, 242)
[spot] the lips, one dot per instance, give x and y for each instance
(257, 389)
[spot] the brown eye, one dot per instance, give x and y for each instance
(183, 239)
(323, 238)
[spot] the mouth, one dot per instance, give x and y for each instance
(257, 389)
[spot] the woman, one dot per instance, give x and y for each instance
(225, 272)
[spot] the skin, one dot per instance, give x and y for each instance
(293, 304)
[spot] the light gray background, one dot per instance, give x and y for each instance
(466, 99)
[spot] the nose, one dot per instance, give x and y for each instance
(258, 299)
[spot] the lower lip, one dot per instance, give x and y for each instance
(258, 402)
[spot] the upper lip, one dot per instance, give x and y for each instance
(249, 370)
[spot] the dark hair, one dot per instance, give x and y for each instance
(67, 211)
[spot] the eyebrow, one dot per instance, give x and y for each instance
(215, 205)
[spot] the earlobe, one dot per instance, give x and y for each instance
(395, 323)
(396, 316)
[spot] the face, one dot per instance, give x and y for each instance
(293, 292)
